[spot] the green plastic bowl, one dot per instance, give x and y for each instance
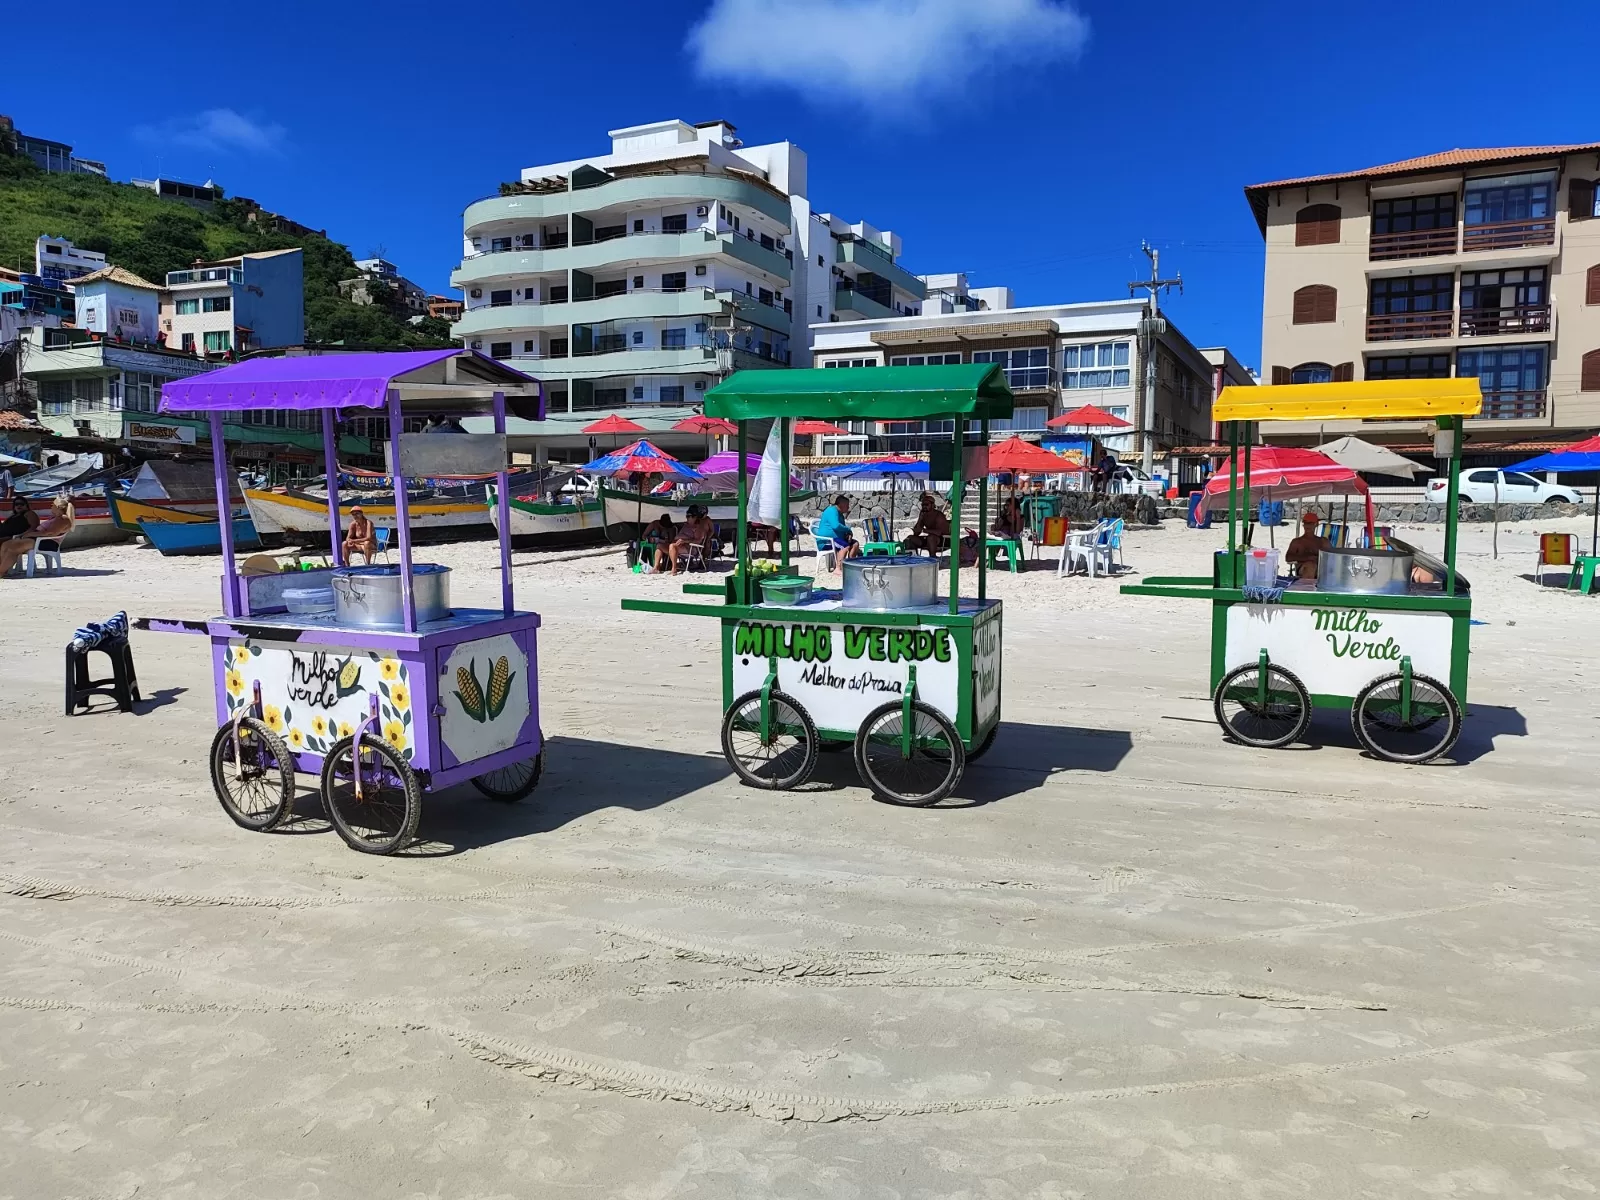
(786, 589)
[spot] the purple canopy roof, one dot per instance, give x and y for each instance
(316, 380)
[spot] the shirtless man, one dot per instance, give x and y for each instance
(932, 530)
(1302, 553)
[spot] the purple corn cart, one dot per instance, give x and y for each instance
(366, 675)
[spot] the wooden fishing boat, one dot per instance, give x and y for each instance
(197, 537)
(291, 511)
(538, 522)
(126, 513)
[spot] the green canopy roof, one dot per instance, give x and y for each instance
(976, 390)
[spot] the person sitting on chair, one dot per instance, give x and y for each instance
(657, 536)
(57, 525)
(834, 527)
(696, 531)
(1303, 551)
(362, 537)
(1008, 522)
(932, 530)
(22, 521)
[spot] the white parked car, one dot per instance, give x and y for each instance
(1486, 485)
(1132, 481)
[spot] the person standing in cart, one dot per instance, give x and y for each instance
(1303, 552)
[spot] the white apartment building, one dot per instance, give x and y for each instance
(645, 274)
(58, 260)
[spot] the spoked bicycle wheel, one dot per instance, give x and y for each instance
(513, 783)
(1264, 708)
(256, 785)
(384, 818)
(918, 770)
(783, 759)
(1414, 729)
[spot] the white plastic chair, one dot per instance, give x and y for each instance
(48, 549)
(1090, 547)
(826, 549)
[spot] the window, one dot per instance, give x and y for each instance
(1518, 479)
(638, 337)
(55, 396)
(1317, 225)
(613, 287)
(530, 294)
(558, 294)
(699, 269)
(851, 362)
(1409, 366)
(608, 232)
(638, 226)
(638, 282)
(499, 349)
(1102, 365)
(678, 223)
(1481, 477)
(638, 393)
(1503, 289)
(1591, 290)
(500, 299)
(558, 347)
(604, 397)
(186, 308)
(527, 347)
(1597, 269)
(1311, 373)
(1028, 368)
(1413, 294)
(674, 339)
(1505, 369)
(767, 243)
(1511, 198)
(1583, 200)
(219, 341)
(925, 360)
(672, 393)
(1316, 304)
(1589, 376)
(217, 304)
(1410, 214)
(52, 249)
(496, 245)
(1022, 420)
(820, 263)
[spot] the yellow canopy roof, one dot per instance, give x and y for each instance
(1381, 398)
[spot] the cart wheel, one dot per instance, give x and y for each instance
(1244, 717)
(934, 766)
(513, 783)
(982, 747)
(1431, 729)
(257, 791)
(789, 755)
(385, 818)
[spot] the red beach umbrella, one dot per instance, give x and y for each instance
(1088, 417)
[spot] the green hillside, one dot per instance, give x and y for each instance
(138, 230)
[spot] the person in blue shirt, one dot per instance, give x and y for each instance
(833, 525)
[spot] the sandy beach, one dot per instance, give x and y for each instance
(1127, 959)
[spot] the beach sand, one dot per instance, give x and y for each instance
(1126, 960)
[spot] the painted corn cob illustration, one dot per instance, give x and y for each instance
(500, 686)
(470, 692)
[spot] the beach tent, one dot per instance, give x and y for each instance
(1580, 456)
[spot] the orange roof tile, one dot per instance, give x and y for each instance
(1256, 193)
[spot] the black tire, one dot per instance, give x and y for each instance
(513, 783)
(257, 793)
(984, 746)
(1558, 500)
(385, 818)
(787, 759)
(1433, 727)
(1245, 719)
(931, 772)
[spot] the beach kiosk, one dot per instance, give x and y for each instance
(367, 675)
(1382, 631)
(908, 678)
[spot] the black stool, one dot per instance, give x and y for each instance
(123, 686)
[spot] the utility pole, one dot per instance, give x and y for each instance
(1150, 329)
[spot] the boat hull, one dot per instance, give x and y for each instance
(197, 537)
(302, 514)
(126, 513)
(539, 523)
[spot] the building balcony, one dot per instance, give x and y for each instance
(1512, 406)
(500, 213)
(1416, 243)
(630, 306)
(779, 264)
(1500, 322)
(1396, 327)
(1508, 235)
(851, 301)
(627, 361)
(205, 275)
(619, 253)
(869, 256)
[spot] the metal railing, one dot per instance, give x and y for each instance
(1518, 318)
(1413, 243)
(1512, 406)
(1509, 235)
(206, 275)
(1392, 327)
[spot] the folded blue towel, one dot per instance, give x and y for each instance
(99, 633)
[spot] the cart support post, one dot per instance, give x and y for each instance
(1405, 689)
(219, 469)
(956, 485)
(783, 504)
(983, 518)
(402, 513)
(1452, 505)
(1246, 516)
(502, 484)
(741, 535)
(1233, 480)
(330, 465)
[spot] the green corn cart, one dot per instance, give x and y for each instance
(1394, 656)
(914, 691)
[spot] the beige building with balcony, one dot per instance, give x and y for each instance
(1471, 262)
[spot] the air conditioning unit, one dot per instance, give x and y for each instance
(699, 268)
(477, 293)
(699, 385)
(702, 211)
(477, 343)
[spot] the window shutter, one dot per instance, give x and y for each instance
(1591, 372)
(1317, 225)
(1580, 200)
(1344, 372)
(1282, 375)
(1591, 293)
(1316, 304)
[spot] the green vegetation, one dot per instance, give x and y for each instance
(150, 236)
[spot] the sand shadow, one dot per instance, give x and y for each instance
(102, 703)
(65, 572)
(1481, 724)
(1024, 756)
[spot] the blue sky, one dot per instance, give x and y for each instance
(1025, 142)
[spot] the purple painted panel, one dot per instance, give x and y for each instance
(219, 649)
(452, 724)
(482, 766)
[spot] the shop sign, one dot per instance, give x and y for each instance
(145, 431)
(1337, 651)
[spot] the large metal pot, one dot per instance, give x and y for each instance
(371, 595)
(878, 584)
(1374, 572)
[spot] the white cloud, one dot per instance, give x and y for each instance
(882, 53)
(215, 129)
